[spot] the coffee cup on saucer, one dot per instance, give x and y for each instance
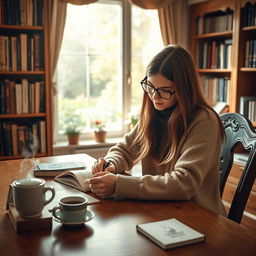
(72, 210)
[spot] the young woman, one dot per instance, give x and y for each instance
(178, 140)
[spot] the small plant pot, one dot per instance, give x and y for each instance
(73, 139)
(100, 136)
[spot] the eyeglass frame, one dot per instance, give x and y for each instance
(142, 82)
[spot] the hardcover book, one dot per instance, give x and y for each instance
(170, 233)
(53, 169)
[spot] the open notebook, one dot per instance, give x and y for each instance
(71, 183)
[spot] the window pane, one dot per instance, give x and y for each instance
(146, 42)
(88, 74)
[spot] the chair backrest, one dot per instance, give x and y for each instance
(239, 131)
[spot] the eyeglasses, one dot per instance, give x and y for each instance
(165, 94)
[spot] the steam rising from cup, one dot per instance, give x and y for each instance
(29, 163)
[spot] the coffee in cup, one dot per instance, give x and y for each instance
(29, 196)
(71, 209)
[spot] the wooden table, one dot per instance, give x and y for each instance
(112, 231)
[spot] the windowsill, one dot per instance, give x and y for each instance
(86, 144)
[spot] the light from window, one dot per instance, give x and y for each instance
(90, 72)
(146, 42)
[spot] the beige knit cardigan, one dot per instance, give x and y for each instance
(194, 175)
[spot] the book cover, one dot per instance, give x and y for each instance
(53, 169)
(170, 233)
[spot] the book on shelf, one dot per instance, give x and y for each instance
(248, 15)
(2, 97)
(214, 22)
(7, 138)
(250, 54)
(22, 52)
(75, 178)
(22, 96)
(53, 169)
(14, 139)
(7, 96)
(170, 233)
(22, 12)
(19, 137)
(215, 54)
(42, 130)
(216, 89)
(248, 107)
(23, 49)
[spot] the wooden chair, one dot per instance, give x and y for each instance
(239, 131)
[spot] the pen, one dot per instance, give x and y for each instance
(106, 165)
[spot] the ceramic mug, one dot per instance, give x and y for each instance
(71, 209)
(29, 196)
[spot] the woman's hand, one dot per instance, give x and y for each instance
(99, 166)
(103, 184)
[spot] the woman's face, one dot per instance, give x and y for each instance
(160, 82)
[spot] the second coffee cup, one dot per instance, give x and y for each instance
(71, 209)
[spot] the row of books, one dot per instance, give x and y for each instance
(22, 139)
(22, 97)
(217, 22)
(249, 15)
(22, 52)
(250, 54)
(216, 89)
(21, 12)
(248, 107)
(215, 54)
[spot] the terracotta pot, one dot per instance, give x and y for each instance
(100, 136)
(73, 139)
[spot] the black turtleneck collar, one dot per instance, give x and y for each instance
(163, 115)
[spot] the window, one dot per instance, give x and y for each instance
(94, 60)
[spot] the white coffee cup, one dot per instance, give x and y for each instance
(29, 196)
(71, 209)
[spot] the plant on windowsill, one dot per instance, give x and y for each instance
(132, 118)
(72, 128)
(99, 132)
(73, 132)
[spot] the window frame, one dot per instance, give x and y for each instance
(126, 26)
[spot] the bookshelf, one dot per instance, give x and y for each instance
(25, 93)
(223, 44)
(239, 27)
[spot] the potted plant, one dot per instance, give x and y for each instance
(72, 129)
(99, 132)
(132, 118)
(73, 132)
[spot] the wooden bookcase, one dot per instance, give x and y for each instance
(207, 20)
(242, 78)
(25, 93)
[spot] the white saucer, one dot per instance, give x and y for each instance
(89, 216)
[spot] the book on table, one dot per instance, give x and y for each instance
(75, 178)
(54, 169)
(170, 233)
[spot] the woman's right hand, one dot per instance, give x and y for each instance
(99, 166)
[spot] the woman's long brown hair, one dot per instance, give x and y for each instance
(175, 64)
